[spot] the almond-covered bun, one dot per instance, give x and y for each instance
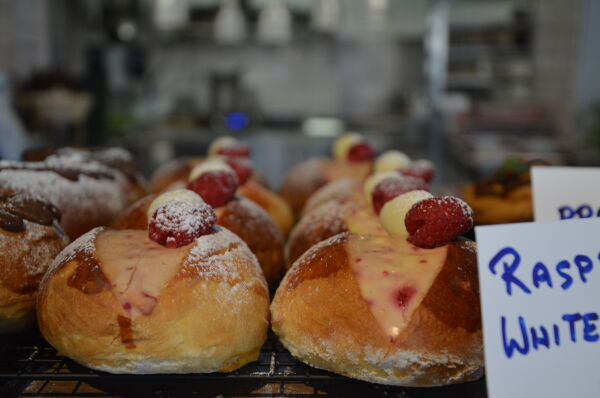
(352, 158)
(119, 302)
(242, 217)
(382, 310)
(30, 238)
(119, 160)
(87, 193)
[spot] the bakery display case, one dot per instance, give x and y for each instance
(244, 198)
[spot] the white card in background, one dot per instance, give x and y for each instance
(565, 192)
(564, 359)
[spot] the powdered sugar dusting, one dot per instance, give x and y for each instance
(421, 166)
(33, 250)
(449, 202)
(177, 223)
(322, 222)
(216, 256)
(339, 190)
(96, 199)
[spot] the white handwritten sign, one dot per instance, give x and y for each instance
(561, 193)
(540, 301)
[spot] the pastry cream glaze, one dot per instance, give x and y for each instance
(393, 276)
(137, 268)
(364, 221)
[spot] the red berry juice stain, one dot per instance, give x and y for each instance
(403, 296)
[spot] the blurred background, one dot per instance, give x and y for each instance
(464, 83)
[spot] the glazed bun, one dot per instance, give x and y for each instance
(277, 208)
(241, 216)
(405, 317)
(175, 175)
(118, 302)
(339, 206)
(30, 238)
(307, 177)
(343, 190)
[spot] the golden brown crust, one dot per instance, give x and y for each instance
(136, 215)
(24, 258)
(341, 191)
(315, 226)
(170, 172)
(307, 177)
(255, 227)
(304, 179)
(212, 316)
(277, 208)
(319, 314)
(515, 206)
(241, 216)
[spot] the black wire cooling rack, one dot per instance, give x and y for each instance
(30, 367)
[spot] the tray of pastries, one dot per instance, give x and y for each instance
(353, 279)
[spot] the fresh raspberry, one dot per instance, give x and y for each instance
(360, 152)
(178, 223)
(435, 222)
(242, 167)
(216, 187)
(420, 168)
(391, 187)
(239, 150)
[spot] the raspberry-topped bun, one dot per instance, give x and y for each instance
(236, 153)
(176, 175)
(30, 238)
(353, 157)
(214, 181)
(339, 206)
(239, 215)
(347, 205)
(229, 146)
(118, 301)
(88, 193)
(380, 309)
